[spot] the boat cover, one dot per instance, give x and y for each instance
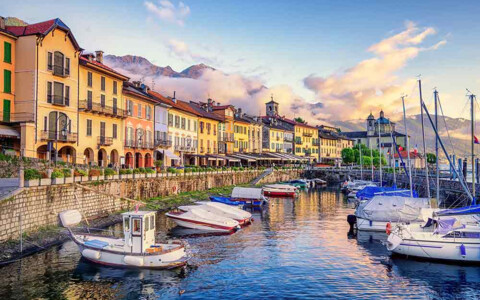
(247, 193)
(96, 244)
(225, 200)
(392, 208)
(468, 210)
(369, 191)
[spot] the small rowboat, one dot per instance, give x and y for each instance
(198, 218)
(280, 190)
(223, 210)
(137, 249)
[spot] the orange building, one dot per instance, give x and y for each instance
(139, 126)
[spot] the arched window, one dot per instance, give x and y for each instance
(59, 63)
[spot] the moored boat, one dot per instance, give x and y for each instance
(137, 249)
(280, 190)
(198, 218)
(248, 196)
(223, 210)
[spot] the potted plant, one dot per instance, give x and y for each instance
(32, 177)
(80, 175)
(58, 177)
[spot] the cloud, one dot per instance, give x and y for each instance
(373, 83)
(168, 12)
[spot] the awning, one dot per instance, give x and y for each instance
(230, 158)
(215, 157)
(244, 157)
(171, 155)
(7, 131)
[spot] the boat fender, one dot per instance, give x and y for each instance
(92, 254)
(133, 260)
(388, 228)
(463, 250)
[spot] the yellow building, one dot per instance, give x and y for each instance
(101, 112)
(46, 89)
(240, 133)
(332, 142)
(226, 139)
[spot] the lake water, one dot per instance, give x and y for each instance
(294, 249)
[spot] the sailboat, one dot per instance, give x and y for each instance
(451, 234)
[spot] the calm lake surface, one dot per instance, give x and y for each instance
(294, 249)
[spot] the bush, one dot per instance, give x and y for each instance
(109, 172)
(241, 168)
(79, 172)
(158, 163)
(31, 174)
(188, 170)
(126, 171)
(149, 170)
(57, 174)
(95, 172)
(235, 168)
(171, 170)
(66, 172)
(62, 163)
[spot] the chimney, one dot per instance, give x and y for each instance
(174, 99)
(90, 56)
(99, 56)
(239, 112)
(136, 84)
(2, 23)
(145, 88)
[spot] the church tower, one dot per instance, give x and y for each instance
(370, 125)
(271, 108)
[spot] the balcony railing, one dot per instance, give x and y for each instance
(316, 143)
(163, 143)
(226, 137)
(288, 139)
(184, 148)
(60, 71)
(129, 143)
(98, 108)
(104, 141)
(309, 134)
(52, 135)
(221, 150)
(60, 100)
(208, 150)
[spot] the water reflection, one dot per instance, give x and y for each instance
(294, 248)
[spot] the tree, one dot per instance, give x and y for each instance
(366, 161)
(376, 161)
(299, 120)
(431, 158)
(348, 155)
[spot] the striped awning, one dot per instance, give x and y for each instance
(7, 131)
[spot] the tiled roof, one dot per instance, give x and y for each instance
(363, 134)
(42, 28)
(84, 60)
(204, 113)
(129, 88)
(178, 104)
(267, 123)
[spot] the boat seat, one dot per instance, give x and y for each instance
(96, 244)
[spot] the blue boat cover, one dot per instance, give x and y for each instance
(468, 210)
(96, 244)
(225, 200)
(368, 192)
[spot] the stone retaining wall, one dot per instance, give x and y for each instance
(35, 207)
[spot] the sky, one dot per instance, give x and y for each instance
(320, 59)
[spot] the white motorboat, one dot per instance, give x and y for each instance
(319, 182)
(223, 210)
(198, 218)
(441, 238)
(280, 190)
(374, 214)
(137, 249)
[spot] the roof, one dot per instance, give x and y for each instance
(43, 28)
(267, 123)
(295, 123)
(327, 135)
(413, 154)
(220, 107)
(205, 114)
(383, 120)
(178, 104)
(130, 89)
(86, 62)
(240, 118)
(363, 134)
(7, 33)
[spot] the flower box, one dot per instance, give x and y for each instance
(68, 179)
(58, 180)
(33, 182)
(45, 181)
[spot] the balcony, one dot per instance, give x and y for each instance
(315, 143)
(221, 150)
(129, 143)
(288, 139)
(184, 148)
(147, 145)
(298, 142)
(208, 150)
(52, 135)
(307, 134)
(92, 107)
(104, 141)
(279, 150)
(163, 143)
(226, 137)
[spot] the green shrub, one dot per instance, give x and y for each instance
(109, 172)
(79, 172)
(67, 172)
(126, 171)
(158, 163)
(188, 170)
(241, 168)
(57, 174)
(149, 170)
(171, 170)
(31, 174)
(62, 163)
(235, 168)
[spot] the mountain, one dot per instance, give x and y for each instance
(456, 139)
(141, 65)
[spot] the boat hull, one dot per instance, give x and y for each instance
(367, 225)
(201, 225)
(279, 193)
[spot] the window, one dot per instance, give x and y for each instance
(67, 95)
(49, 61)
(102, 86)
(102, 100)
(201, 127)
(137, 228)
(188, 124)
(152, 222)
(45, 123)
(183, 123)
(67, 66)
(139, 110)
(114, 131)
(89, 127)
(126, 221)
(89, 79)
(7, 54)
(129, 107)
(147, 222)
(115, 87)
(147, 112)
(58, 89)
(6, 110)
(170, 120)
(58, 63)
(49, 91)
(177, 121)
(7, 81)
(194, 125)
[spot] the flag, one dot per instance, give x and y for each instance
(400, 148)
(415, 150)
(475, 140)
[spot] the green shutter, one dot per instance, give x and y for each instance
(6, 110)
(7, 81)
(7, 57)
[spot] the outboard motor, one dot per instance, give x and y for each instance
(352, 220)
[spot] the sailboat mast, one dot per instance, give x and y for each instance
(380, 151)
(423, 135)
(472, 109)
(408, 147)
(361, 164)
(437, 171)
(392, 154)
(371, 158)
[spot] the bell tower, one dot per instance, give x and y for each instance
(271, 108)
(370, 125)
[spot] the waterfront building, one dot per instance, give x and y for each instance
(9, 136)
(370, 137)
(138, 124)
(182, 124)
(161, 140)
(101, 112)
(208, 131)
(332, 142)
(226, 138)
(46, 89)
(276, 136)
(240, 128)
(255, 133)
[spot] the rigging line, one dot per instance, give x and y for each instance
(446, 127)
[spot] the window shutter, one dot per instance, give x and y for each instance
(67, 95)
(50, 61)
(7, 52)
(7, 81)
(49, 92)
(67, 66)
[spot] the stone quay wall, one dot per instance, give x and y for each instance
(31, 208)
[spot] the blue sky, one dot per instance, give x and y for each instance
(280, 42)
